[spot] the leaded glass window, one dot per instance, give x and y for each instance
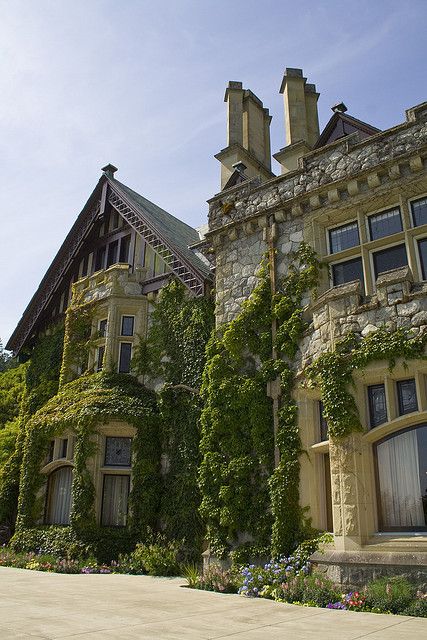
(388, 259)
(118, 452)
(344, 237)
(385, 223)
(127, 325)
(347, 271)
(125, 357)
(377, 405)
(103, 328)
(407, 396)
(419, 212)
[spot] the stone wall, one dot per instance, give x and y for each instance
(347, 159)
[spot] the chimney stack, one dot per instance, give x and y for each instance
(301, 118)
(248, 135)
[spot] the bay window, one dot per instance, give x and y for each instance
(390, 258)
(385, 223)
(115, 500)
(58, 503)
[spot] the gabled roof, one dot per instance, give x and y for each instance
(164, 232)
(342, 124)
(178, 233)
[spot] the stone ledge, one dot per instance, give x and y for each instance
(364, 557)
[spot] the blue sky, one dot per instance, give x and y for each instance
(141, 84)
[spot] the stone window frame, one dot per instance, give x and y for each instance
(408, 236)
(115, 429)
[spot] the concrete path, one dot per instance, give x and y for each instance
(36, 605)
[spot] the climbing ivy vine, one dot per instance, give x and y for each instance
(244, 496)
(174, 352)
(333, 371)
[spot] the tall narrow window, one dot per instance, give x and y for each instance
(64, 447)
(59, 496)
(115, 501)
(347, 271)
(100, 258)
(407, 396)
(102, 328)
(50, 452)
(127, 325)
(419, 212)
(100, 358)
(125, 357)
(344, 237)
(323, 425)
(113, 249)
(377, 404)
(402, 477)
(390, 258)
(124, 249)
(422, 249)
(385, 224)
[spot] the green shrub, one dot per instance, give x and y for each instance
(417, 608)
(191, 572)
(394, 594)
(158, 556)
(314, 589)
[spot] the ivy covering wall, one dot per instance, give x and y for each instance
(246, 499)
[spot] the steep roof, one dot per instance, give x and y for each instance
(175, 235)
(342, 124)
(178, 233)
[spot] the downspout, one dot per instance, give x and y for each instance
(274, 386)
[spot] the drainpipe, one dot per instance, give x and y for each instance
(274, 387)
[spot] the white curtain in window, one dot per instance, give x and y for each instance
(115, 500)
(399, 476)
(59, 497)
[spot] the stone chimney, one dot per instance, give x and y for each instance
(248, 135)
(301, 118)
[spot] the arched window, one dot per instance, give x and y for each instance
(401, 461)
(58, 503)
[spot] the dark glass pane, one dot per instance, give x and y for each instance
(422, 247)
(103, 328)
(100, 359)
(377, 405)
(407, 395)
(344, 237)
(115, 220)
(125, 357)
(115, 501)
(100, 258)
(389, 259)
(323, 424)
(385, 224)
(124, 249)
(84, 266)
(64, 447)
(419, 212)
(402, 476)
(118, 452)
(347, 271)
(328, 492)
(127, 325)
(113, 249)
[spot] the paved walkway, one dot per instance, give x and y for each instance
(36, 605)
